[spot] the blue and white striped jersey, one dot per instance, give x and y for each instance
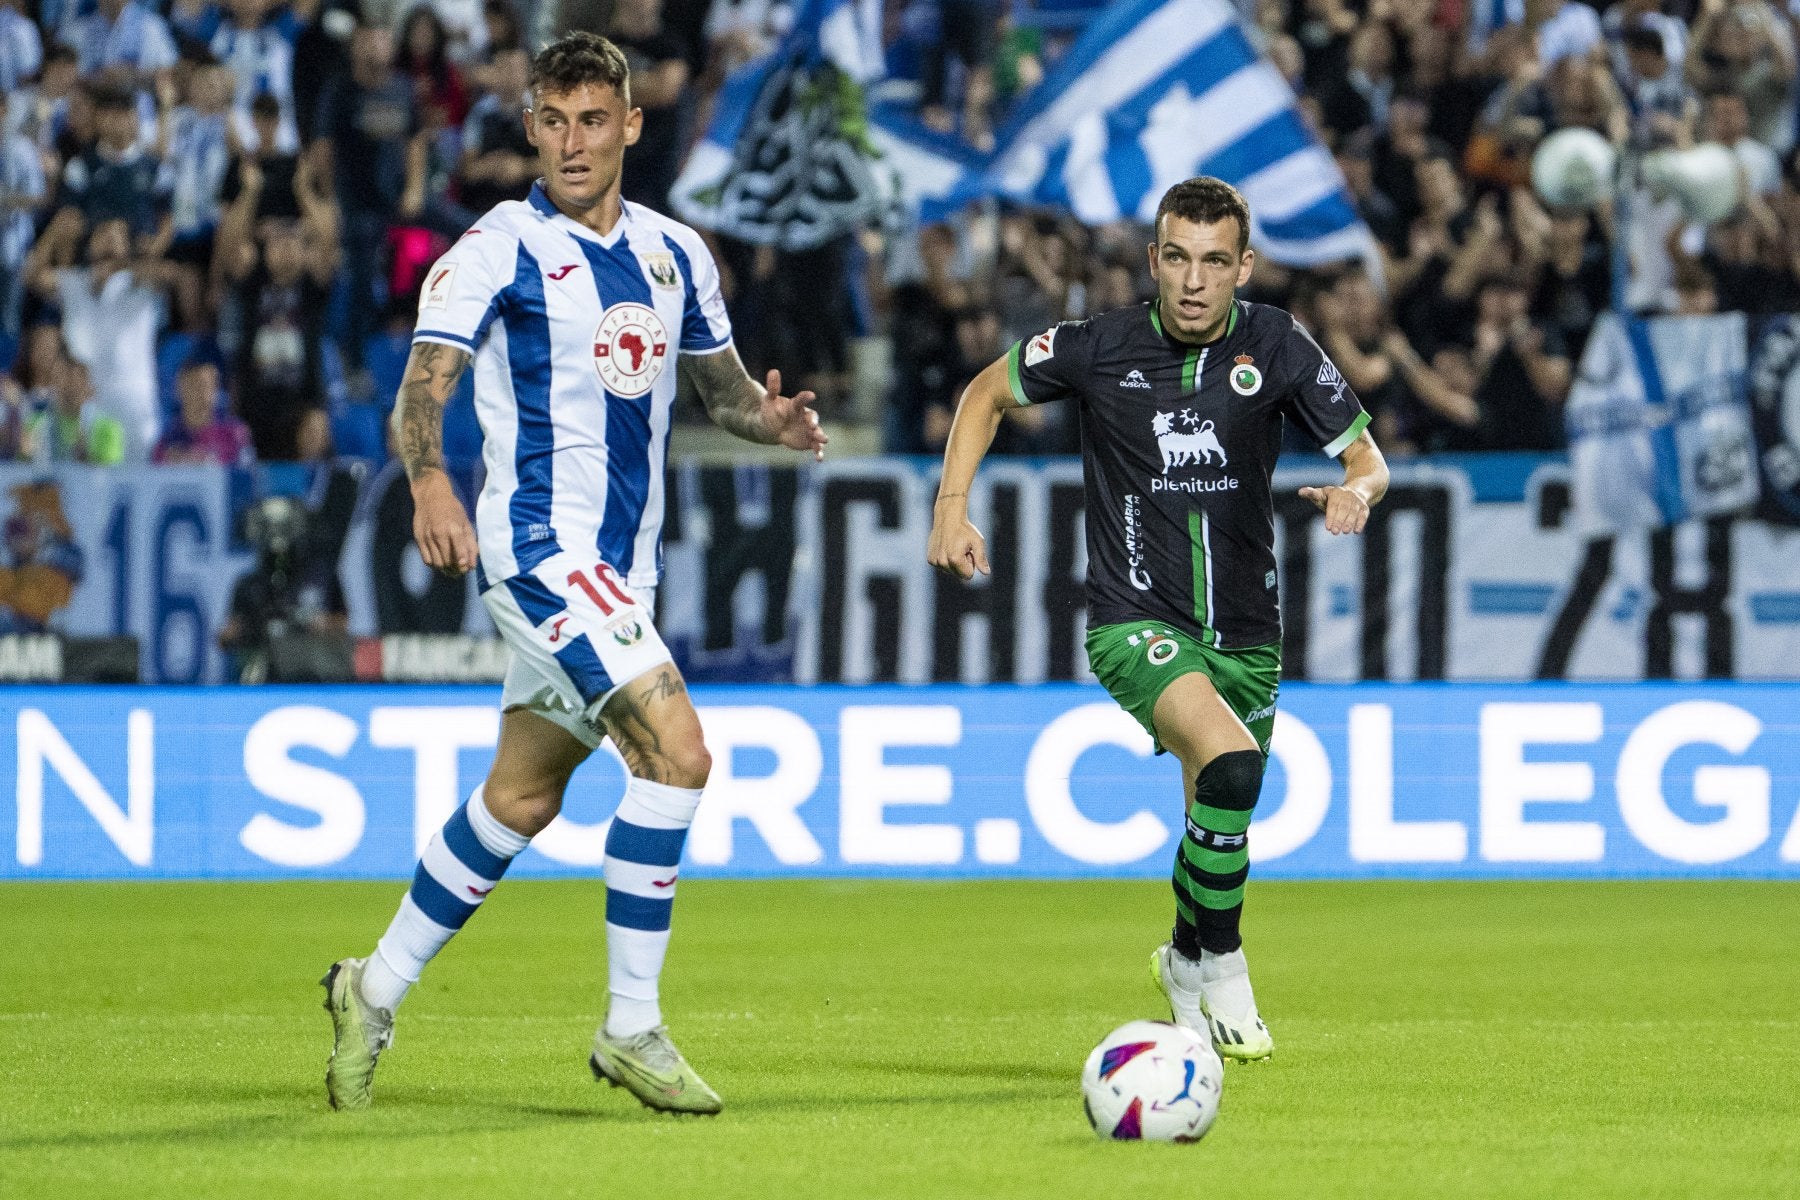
(575, 338)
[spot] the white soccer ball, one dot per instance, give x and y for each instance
(1154, 1082)
(1573, 168)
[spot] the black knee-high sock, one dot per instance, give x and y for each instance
(1214, 857)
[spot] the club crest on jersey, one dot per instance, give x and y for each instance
(1246, 380)
(1331, 378)
(661, 268)
(1041, 347)
(631, 348)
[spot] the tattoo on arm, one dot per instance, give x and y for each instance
(628, 722)
(431, 377)
(732, 398)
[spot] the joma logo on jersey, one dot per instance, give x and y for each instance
(1135, 380)
(631, 347)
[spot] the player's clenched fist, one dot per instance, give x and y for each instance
(1345, 511)
(957, 546)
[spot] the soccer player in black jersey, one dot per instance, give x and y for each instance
(1181, 408)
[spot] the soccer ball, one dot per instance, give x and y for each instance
(1573, 168)
(1152, 1081)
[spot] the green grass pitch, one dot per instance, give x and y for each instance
(910, 1039)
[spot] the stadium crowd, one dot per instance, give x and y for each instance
(214, 219)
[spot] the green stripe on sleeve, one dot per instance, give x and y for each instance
(1349, 435)
(1012, 375)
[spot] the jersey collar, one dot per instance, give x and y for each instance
(1232, 320)
(541, 201)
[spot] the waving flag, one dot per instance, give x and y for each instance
(789, 160)
(1157, 91)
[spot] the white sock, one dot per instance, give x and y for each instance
(461, 865)
(643, 853)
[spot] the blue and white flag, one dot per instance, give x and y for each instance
(788, 160)
(1158, 91)
(1659, 422)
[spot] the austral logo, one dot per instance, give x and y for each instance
(1195, 444)
(1135, 380)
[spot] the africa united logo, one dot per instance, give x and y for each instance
(631, 348)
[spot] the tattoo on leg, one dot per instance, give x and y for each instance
(627, 722)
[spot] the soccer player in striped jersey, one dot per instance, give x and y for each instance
(575, 306)
(1181, 408)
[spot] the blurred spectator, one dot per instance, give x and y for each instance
(366, 125)
(498, 161)
(1564, 29)
(196, 145)
(965, 45)
(21, 47)
(1727, 122)
(72, 429)
(115, 179)
(205, 432)
(289, 598)
(1662, 104)
(1359, 97)
(1575, 284)
(124, 40)
(659, 72)
(41, 112)
(277, 168)
(22, 193)
(30, 388)
(424, 58)
(1521, 370)
(1745, 46)
(312, 437)
(111, 309)
(426, 203)
(281, 273)
(255, 39)
(1696, 295)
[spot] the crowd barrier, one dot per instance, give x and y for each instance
(1422, 781)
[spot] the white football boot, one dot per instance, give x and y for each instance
(1213, 997)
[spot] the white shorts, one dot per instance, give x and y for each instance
(577, 633)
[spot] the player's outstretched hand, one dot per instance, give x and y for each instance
(441, 526)
(792, 419)
(957, 547)
(1345, 511)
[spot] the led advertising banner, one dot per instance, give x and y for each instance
(1426, 781)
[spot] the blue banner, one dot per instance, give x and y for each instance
(1425, 781)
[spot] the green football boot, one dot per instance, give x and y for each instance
(650, 1067)
(360, 1033)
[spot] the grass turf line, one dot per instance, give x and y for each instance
(910, 1039)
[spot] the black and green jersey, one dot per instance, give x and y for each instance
(1178, 446)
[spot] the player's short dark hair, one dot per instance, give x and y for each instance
(576, 59)
(1204, 200)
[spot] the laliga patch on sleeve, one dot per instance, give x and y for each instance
(437, 287)
(1041, 347)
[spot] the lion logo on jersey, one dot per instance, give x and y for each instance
(631, 347)
(1198, 445)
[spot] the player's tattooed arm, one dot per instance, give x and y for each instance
(756, 413)
(432, 373)
(440, 524)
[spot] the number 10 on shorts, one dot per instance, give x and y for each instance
(609, 579)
